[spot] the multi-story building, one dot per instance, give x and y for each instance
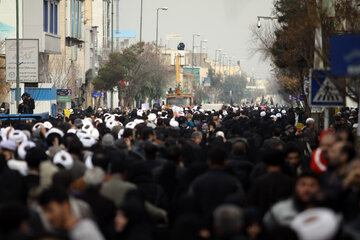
(38, 20)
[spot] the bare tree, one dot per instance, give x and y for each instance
(58, 71)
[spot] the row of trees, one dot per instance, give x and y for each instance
(138, 73)
(291, 47)
(223, 89)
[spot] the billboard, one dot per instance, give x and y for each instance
(29, 60)
(124, 33)
(63, 95)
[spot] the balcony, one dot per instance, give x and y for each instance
(52, 43)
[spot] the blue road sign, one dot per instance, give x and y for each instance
(345, 55)
(124, 33)
(63, 92)
(323, 91)
(97, 94)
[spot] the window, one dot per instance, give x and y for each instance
(46, 16)
(56, 19)
(72, 18)
(52, 18)
(80, 19)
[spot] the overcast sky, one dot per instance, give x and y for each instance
(224, 23)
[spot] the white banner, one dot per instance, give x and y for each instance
(28, 60)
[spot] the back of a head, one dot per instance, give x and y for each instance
(150, 150)
(56, 193)
(34, 156)
(75, 147)
(273, 144)
(274, 158)
(173, 153)
(196, 134)
(239, 149)
(217, 156)
(93, 178)
(101, 159)
(146, 133)
(227, 220)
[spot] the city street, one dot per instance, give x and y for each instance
(179, 120)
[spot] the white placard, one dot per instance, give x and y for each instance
(28, 59)
(145, 106)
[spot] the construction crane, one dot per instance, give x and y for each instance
(177, 98)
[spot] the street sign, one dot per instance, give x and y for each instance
(63, 95)
(345, 55)
(28, 60)
(323, 91)
(97, 94)
(124, 33)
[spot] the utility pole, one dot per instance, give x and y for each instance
(141, 17)
(192, 55)
(17, 57)
(112, 47)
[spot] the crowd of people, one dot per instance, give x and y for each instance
(243, 172)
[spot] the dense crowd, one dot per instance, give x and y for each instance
(247, 172)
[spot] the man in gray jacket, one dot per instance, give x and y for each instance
(283, 212)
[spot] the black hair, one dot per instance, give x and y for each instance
(34, 156)
(173, 153)
(349, 150)
(309, 174)
(150, 150)
(217, 156)
(101, 159)
(274, 158)
(55, 193)
(146, 133)
(292, 147)
(75, 147)
(127, 133)
(12, 215)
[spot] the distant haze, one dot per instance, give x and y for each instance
(224, 23)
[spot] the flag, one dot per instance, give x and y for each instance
(123, 83)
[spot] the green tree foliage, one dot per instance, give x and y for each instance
(237, 85)
(219, 91)
(140, 68)
(115, 70)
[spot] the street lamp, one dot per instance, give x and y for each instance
(157, 24)
(267, 18)
(192, 55)
(216, 58)
(201, 42)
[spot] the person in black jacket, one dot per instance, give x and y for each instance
(211, 188)
(27, 106)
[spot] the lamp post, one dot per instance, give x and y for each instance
(201, 42)
(193, 49)
(17, 57)
(216, 58)
(157, 24)
(141, 17)
(267, 18)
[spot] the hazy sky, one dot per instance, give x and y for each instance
(224, 23)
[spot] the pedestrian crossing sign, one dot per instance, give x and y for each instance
(324, 91)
